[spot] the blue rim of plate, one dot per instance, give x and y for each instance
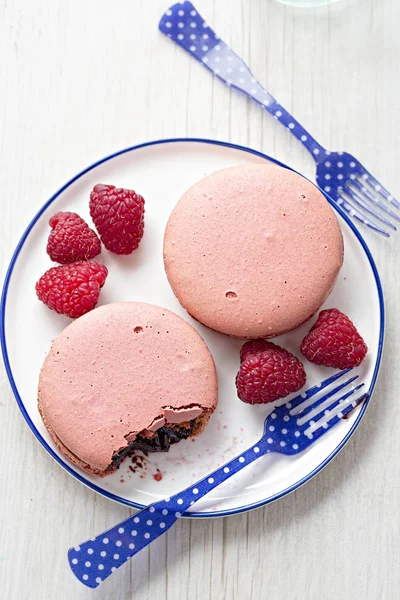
(66, 466)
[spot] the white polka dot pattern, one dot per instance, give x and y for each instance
(341, 176)
(357, 192)
(291, 433)
(184, 25)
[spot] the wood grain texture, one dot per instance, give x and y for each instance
(82, 79)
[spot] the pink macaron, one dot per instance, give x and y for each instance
(253, 250)
(125, 377)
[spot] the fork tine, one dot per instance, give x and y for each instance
(378, 188)
(303, 412)
(360, 203)
(326, 425)
(318, 412)
(343, 202)
(313, 390)
(364, 192)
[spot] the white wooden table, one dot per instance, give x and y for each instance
(81, 79)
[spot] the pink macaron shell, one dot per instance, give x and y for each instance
(253, 250)
(122, 369)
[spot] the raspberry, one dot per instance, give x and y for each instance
(71, 239)
(334, 342)
(118, 215)
(255, 347)
(269, 375)
(73, 289)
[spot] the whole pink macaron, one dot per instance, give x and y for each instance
(253, 251)
(125, 377)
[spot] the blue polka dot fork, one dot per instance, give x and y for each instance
(289, 429)
(339, 174)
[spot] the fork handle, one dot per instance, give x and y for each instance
(183, 24)
(286, 119)
(96, 559)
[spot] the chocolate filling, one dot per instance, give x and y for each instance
(162, 440)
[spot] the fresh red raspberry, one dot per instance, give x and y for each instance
(71, 239)
(255, 347)
(119, 217)
(73, 289)
(334, 342)
(269, 375)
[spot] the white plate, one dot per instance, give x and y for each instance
(161, 171)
